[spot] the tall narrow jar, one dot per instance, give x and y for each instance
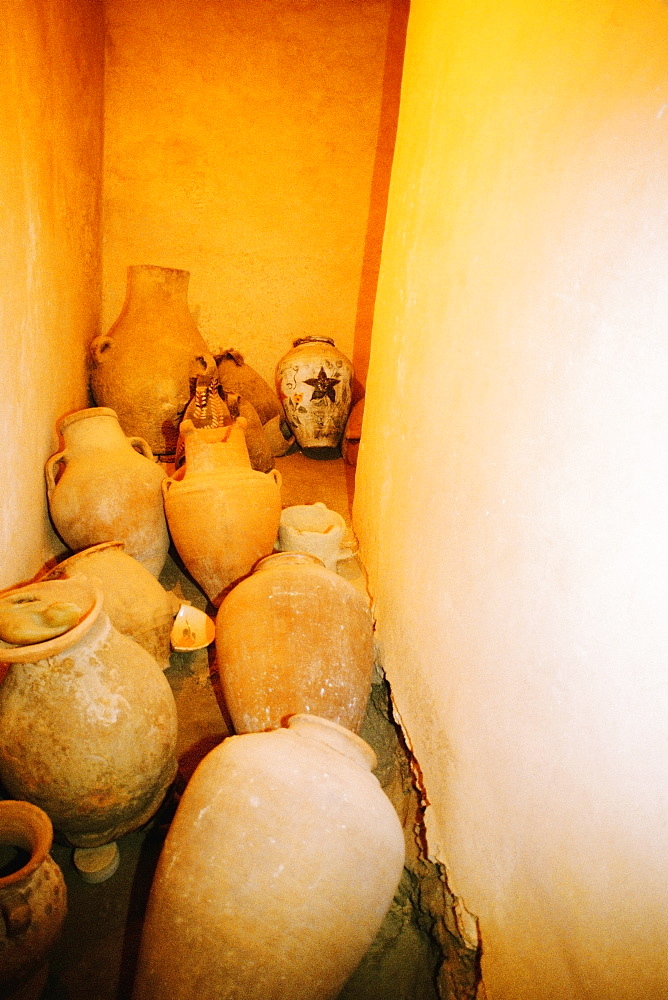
(277, 871)
(142, 367)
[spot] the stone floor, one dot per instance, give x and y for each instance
(96, 955)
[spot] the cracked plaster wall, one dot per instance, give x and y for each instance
(511, 490)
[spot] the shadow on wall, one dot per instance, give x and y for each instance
(380, 185)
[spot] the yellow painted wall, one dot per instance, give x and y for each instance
(512, 489)
(51, 67)
(240, 144)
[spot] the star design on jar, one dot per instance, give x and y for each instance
(323, 386)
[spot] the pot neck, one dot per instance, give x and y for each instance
(146, 281)
(215, 449)
(336, 737)
(92, 429)
(287, 559)
(313, 340)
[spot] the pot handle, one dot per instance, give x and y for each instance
(166, 485)
(278, 478)
(98, 346)
(142, 446)
(50, 471)
(16, 914)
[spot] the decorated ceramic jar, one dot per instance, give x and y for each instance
(314, 383)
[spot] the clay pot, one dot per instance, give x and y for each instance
(136, 603)
(109, 489)
(294, 637)
(33, 899)
(238, 377)
(314, 382)
(314, 528)
(142, 367)
(87, 723)
(223, 516)
(277, 871)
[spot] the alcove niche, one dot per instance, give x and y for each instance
(251, 145)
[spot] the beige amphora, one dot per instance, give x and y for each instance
(143, 367)
(87, 721)
(277, 871)
(105, 487)
(294, 637)
(314, 528)
(33, 899)
(137, 604)
(223, 515)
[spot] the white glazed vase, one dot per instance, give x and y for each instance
(314, 382)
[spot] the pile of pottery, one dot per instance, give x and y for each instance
(153, 368)
(283, 843)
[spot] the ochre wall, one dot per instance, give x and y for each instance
(240, 144)
(51, 71)
(512, 490)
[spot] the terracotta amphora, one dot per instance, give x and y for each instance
(136, 603)
(223, 516)
(33, 899)
(87, 722)
(106, 487)
(314, 382)
(294, 637)
(143, 366)
(278, 869)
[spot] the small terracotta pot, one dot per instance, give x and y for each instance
(294, 637)
(278, 869)
(108, 489)
(33, 899)
(87, 723)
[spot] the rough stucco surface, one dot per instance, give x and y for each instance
(51, 66)
(240, 145)
(511, 490)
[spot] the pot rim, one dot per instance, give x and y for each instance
(59, 571)
(24, 825)
(336, 737)
(70, 588)
(91, 411)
